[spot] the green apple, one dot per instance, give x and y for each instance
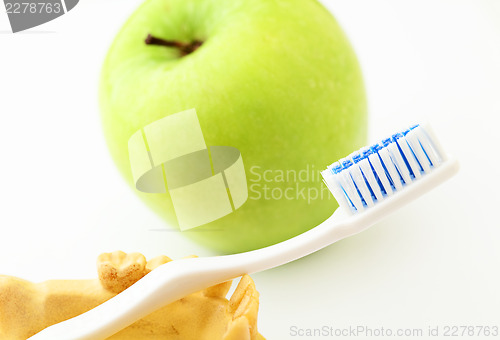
(276, 79)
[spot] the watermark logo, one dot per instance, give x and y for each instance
(204, 183)
(382, 332)
(25, 14)
(289, 184)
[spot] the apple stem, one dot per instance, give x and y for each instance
(184, 48)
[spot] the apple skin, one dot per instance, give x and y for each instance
(276, 79)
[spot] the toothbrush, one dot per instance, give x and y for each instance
(369, 184)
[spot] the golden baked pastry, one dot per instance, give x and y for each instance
(26, 308)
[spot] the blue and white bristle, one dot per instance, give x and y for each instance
(368, 176)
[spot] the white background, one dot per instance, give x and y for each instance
(434, 263)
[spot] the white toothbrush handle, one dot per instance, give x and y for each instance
(176, 279)
(164, 285)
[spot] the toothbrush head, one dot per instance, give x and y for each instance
(372, 174)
